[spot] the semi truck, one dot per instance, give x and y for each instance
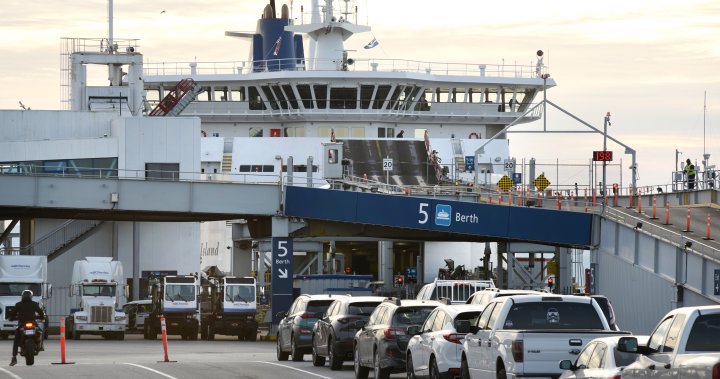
(228, 307)
(19, 273)
(97, 289)
(174, 297)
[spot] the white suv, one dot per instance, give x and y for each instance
(483, 297)
(436, 347)
(457, 291)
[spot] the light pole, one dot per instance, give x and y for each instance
(605, 125)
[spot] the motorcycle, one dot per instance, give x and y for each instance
(31, 341)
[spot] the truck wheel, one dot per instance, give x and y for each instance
(75, 335)
(121, 336)
(4, 336)
(193, 333)
(203, 332)
(211, 332)
(29, 352)
(252, 335)
(501, 371)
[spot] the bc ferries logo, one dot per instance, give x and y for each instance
(20, 267)
(442, 214)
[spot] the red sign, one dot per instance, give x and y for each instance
(274, 132)
(600, 156)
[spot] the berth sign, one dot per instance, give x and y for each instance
(282, 274)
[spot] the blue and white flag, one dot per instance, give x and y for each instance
(372, 44)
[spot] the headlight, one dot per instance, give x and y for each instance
(119, 318)
(81, 318)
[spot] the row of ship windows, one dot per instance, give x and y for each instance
(271, 168)
(324, 131)
(287, 96)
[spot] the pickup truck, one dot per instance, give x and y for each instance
(684, 344)
(526, 336)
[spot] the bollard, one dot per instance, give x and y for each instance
(490, 199)
(557, 200)
(164, 338)
(687, 230)
(654, 214)
(594, 199)
(707, 238)
(520, 198)
(62, 343)
(616, 198)
(500, 198)
(539, 201)
(667, 213)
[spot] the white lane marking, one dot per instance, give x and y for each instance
(295, 368)
(151, 370)
(10, 373)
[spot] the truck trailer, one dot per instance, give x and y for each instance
(19, 273)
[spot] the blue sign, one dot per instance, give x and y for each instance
(442, 214)
(469, 163)
(517, 178)
(411, 273)
(282, 276)
(469, 220)
(717, 283)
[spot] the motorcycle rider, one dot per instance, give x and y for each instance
(26, 310)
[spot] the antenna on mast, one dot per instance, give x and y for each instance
(706, 156)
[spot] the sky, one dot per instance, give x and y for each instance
(649, 63)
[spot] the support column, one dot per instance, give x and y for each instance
(511, 269)
(564, 272)
(385, 263)
(136, 261)
(501, 249)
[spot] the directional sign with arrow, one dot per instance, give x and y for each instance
(282, 275)
(717, 283)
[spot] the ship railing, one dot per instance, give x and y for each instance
(99, 45)
(398, 108)
(186, 69)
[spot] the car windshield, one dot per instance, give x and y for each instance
(98, 290)
(16, 289)
(553, 315)
(240, 293)
(411, 315)
(179, 292)
(469, 316)
(362, 309)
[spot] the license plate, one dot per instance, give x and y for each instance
(29, 332)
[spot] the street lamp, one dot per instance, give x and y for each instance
(605, 125)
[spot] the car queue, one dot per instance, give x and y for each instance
(386, 335)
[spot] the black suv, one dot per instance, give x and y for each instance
(606, 307)
(294, 335)
(381, 342)
(334, 332)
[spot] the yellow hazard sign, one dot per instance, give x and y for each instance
(541, 182)
(505, 183)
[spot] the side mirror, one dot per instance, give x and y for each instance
(628, 345)
(48, 290)
(413, 330)
(359, 324)
(566, 364)
(463, 326)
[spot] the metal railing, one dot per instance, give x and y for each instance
(59, 237)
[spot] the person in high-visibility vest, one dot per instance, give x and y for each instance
(690, 171)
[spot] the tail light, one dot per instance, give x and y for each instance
(615, 377)
(517, 351)
(454, 337)
(307, 315)
(716, 371)
(28, 325)
(391, 333)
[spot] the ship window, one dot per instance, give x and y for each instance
(366, 93)
(382, 94)
(321, 95)
(343, 98)
(294, 132)
(290, 96)
(341, 132)
(394, 97)
(256, 103)
(386, 132)
(458, 95)
(305, 95)
(442, 95)
(163, 171)
(270, 96)
(152, 95)
(220, 94)
(420, 133)
(324, 131)
(256, 132)
(244, 168)
(237, 94)
(357, 132)
(205, 94)
(333, 156)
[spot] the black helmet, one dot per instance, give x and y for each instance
(27, 295)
